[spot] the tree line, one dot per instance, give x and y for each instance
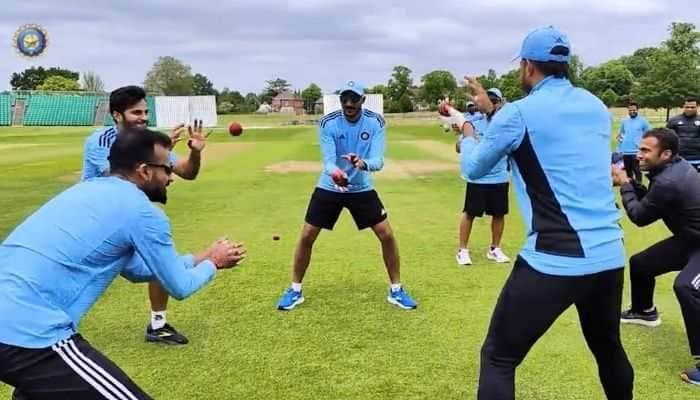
(655, 77)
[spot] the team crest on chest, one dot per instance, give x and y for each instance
(364, 135)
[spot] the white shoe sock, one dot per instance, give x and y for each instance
(158, 319)
(296, 287)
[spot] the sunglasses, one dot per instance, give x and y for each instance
(167, 168)
(350, 96)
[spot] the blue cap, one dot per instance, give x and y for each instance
(495, 92)
(353, 86)
(546, 44)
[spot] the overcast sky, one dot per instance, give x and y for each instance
(241, 43)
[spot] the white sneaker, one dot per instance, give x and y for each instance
(497, 255)
(463, 257)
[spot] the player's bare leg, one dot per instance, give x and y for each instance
(293, 296)
(498, 224)
(302, 253)
(465, 231)
(390, 252)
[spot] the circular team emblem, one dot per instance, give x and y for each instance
(364, 135)
(30, 40)
(697, 122)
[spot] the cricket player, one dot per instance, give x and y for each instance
(128, 108)
(352, 146)
(57, 263)
(558, 138)
(631, 131)
(485, 195)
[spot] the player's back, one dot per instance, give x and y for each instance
(55, 264)
(72, 225)
(563, 168)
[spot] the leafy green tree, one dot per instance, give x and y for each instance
(674, 71)
(609, 97)
(31, 78)
(575, 69)
(398, 90)
(612, 75)
(202, 86)
(490, 80)
(510, 85)
(59, 83)
(684, 39)
(252, 102)
(310, 95)
(377, 89)
(671, 78)
(639, 63)
(225, 108)
(171, 77)
(436, 86)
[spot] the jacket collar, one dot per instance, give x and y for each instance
(549, 81)
(661, 168)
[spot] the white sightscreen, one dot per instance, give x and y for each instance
(204, 108)
(373, 102)
(173, 110)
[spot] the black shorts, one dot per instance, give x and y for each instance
(489, 198)
(325, 207)
(70, 369)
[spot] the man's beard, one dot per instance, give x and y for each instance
(524, 85)
(157, 195)
(133, 125)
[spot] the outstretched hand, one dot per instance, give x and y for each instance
(481, 99)
(176, 135)
(197, 139)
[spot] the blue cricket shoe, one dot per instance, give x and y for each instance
(290, 299)
(402, 299)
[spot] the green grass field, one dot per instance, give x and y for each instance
(346, 341)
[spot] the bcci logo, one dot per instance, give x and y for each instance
(30, 40)
(364, 135)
